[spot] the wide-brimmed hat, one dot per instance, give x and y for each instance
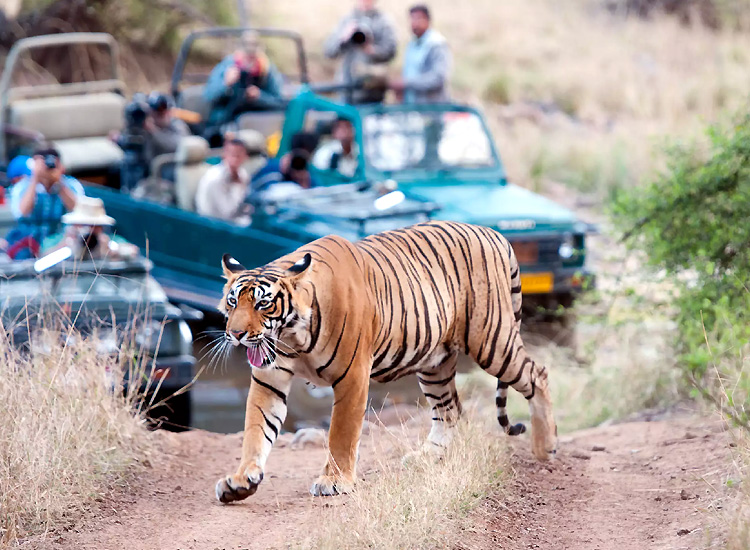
(88, 211)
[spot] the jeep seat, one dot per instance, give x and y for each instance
(191, 98)
(78, 125)
(189, 169)
(265, 122)
(255, 144)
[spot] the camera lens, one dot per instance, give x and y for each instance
(158, 102)
(299, 162)
(50, 161)
(358, 37)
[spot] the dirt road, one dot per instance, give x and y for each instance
(637, 485)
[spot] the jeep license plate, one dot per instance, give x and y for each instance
(537, 283)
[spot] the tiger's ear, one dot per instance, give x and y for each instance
(231, 266)
(300, 266)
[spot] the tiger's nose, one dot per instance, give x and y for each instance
(239, 334)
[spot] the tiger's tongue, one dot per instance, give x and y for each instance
(255, 356)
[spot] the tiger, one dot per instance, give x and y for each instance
(401, 302)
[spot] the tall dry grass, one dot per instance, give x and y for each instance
(573, 93)
(423, 504)
(68, 432)
(738, 518)
(727, 387)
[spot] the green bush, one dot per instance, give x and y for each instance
(694, 223)
(498, 90)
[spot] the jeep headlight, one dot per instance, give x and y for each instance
(150, 336)
(567, 248)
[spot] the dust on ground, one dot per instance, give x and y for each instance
(645, 485)
(631, 485)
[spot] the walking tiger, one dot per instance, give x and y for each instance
(396, 303)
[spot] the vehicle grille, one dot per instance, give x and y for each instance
(534, 252)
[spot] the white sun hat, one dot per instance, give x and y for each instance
(88, 211)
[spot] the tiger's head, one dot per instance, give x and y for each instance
(266, 308)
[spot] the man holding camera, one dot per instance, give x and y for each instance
(86, 233)
(39, 201)
(164, 129)
(291, 167)
(244, 81)
(367, 42)
(150, 130)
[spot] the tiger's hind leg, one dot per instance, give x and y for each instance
(437, 379)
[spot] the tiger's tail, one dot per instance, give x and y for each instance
(515, 283)
(501, 398)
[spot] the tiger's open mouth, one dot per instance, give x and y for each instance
(261, 352)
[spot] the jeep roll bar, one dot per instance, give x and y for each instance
(187, 44)
(113, 83)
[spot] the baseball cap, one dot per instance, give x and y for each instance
(18, 167)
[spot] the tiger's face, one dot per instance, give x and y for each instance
(261, 306)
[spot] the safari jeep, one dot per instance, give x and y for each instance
(432, 161)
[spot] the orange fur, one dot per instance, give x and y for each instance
(393, 304)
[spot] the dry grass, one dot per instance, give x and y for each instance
(728, 374)
(739, 515)
(425, 504)
(65, 435)
(573, 93)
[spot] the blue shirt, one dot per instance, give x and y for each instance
(44, 219)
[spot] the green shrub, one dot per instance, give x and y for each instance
(693, 223)
(498, 89)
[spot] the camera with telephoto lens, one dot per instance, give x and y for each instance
(244, 79)
(358, 37)
(133, 142)
(158, 102)
(50, 161)
(299, 160)
(136, 112)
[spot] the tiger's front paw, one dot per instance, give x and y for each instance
(326, 486)
(239, 486)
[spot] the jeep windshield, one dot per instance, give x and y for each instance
(427, 139)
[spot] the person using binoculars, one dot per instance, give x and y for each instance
(244, 81)
(365, 41)
(39, 201)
